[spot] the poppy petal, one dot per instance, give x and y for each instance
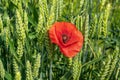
(53, 35)
(75, 37)
(64, 28)
(72, 50)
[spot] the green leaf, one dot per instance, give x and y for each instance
(8, 76)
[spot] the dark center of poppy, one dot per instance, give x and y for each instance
(65, 38)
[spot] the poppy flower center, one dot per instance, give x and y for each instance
(65, 38)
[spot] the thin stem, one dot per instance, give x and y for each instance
(50, 70)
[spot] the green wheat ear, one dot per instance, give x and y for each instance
(41, 29)
(69, 62)
(28, 71)
(16, 70)
(2, 70)
(41, 17)
(20, 34)
(76, 68)
(118, 71)
(36, 66)
(81, 3)
(86, 33)
(44, 6)
(25, 21)
(51, 17)
(19, 5)
(102, 4)
(17, 76)
(105, 20)
(105, 69)
(1, 26)
(7, 31)
(113, 62)
(93, 26)
(60, 7)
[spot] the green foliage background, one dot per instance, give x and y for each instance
(27, 54)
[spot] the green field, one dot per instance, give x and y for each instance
(26, 52)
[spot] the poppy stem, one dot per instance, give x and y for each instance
(50, 74)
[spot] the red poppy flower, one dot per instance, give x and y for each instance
(67, 37)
